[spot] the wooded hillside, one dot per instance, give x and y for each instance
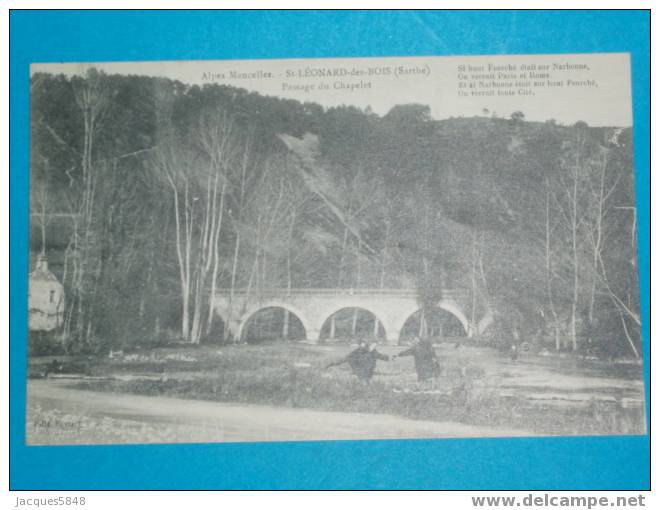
(151, 195)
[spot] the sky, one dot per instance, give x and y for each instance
(594, 88)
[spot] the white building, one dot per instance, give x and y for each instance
(46, 298)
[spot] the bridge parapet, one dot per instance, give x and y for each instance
(283, 292)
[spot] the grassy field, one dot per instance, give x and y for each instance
(549, 395)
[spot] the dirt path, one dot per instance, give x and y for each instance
(62, 415)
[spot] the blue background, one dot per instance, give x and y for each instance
(539, 463)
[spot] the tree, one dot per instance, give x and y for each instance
(197, 178)
(92, 97)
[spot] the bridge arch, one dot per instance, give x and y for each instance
(246, 316)
(354, 305)
(452, 308)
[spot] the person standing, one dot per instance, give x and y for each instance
(427, 365)
(513, 352)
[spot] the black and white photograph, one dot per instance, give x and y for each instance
(333, 249)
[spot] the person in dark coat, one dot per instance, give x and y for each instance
(362, 360)
(426, 361)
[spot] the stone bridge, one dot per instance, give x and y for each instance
(313, 307)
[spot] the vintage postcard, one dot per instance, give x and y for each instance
(365, 248)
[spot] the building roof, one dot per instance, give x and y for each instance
(41, 271)
(43, 275)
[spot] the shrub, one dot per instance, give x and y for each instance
(45, 343)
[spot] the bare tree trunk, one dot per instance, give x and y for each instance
(264, 272)
(473, 307)
(358, 264)
(384, 255)
(333, 319)
(43, 231)
(285, 323)
(216, 260)
(548, 270)
(181, 237)
(421, 332)
(196, 319)
(358, 268)
(71, 256)
(333, 327)
(354, 322)
(628, 337)
(254, 272)
(232, 285)
(598, 236)
(574, 242)
(342, 258)
(383, 270)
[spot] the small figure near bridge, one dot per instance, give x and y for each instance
(362, 360)
(513, 352)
